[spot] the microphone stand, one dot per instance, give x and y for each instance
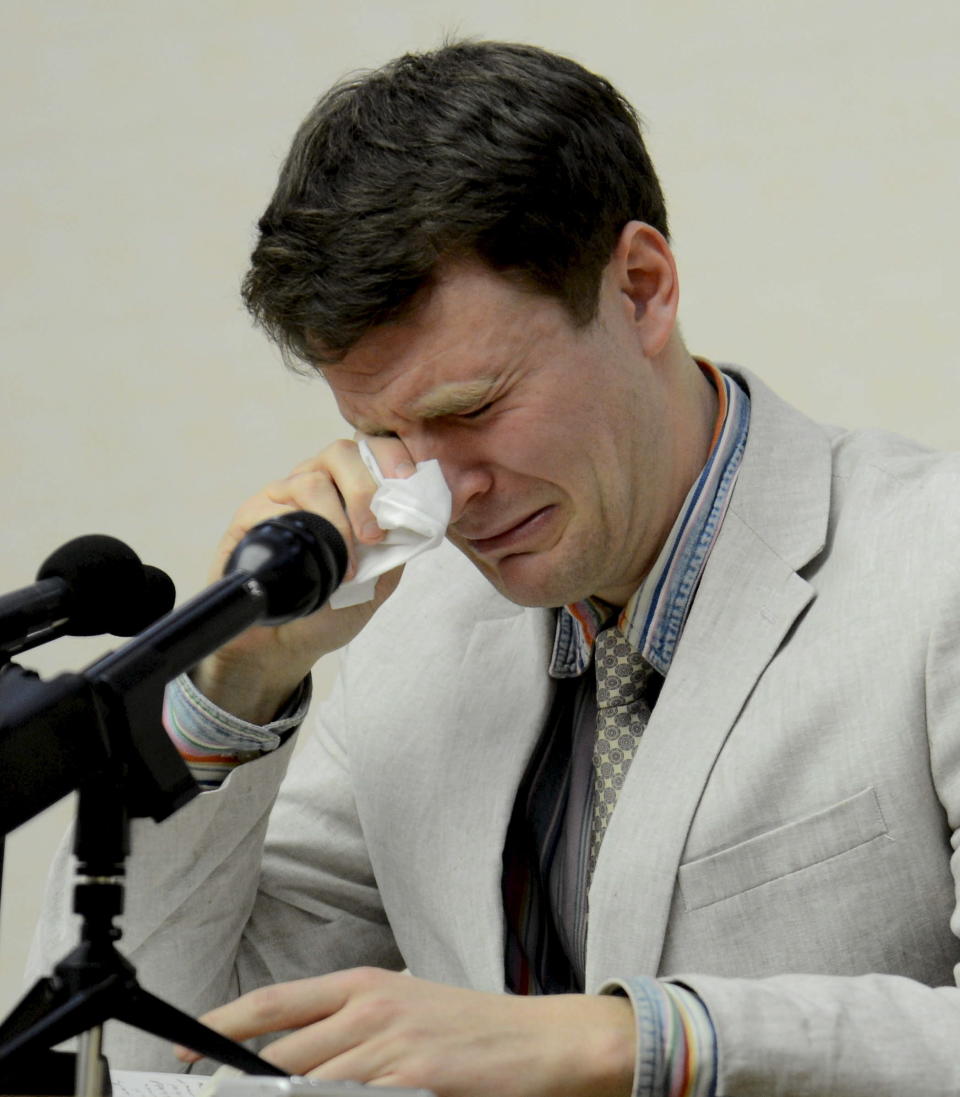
(94, 982)
(100, 731)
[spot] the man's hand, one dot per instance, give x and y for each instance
(384, 1028)
(254, 674)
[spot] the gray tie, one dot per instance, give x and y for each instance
(623, 682)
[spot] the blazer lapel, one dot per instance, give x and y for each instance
(749, 598)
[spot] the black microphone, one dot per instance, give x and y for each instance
(90, 585)
(284, 568)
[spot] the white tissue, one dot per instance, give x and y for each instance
(414, 513)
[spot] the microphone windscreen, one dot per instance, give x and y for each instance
(105, 578)
(159, 595)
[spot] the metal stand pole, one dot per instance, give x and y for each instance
(90, 1080)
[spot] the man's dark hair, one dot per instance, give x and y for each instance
(477, 150)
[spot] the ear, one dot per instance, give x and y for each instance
(645, 275)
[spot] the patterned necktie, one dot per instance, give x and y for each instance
(625, 692)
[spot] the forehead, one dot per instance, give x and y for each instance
(473, 326)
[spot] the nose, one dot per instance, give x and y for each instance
(468, 476)
(466, 486)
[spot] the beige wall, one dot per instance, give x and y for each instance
(809, 151)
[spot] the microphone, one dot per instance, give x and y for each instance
(90, 585)
(284, 568)
(54, 734)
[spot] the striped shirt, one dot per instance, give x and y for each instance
(213, 742)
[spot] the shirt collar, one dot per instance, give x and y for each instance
(654, 617)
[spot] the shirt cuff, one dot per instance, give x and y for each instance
(676, 1040)
(213, 742)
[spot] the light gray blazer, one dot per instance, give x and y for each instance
(783, 841)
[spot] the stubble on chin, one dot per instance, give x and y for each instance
(544, 580)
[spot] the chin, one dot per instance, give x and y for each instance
(544, 590)
(537, 580)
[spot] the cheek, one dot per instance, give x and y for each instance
(537, 447)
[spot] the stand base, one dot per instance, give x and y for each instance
(84, 992)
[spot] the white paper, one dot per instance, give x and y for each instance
(145, 1083)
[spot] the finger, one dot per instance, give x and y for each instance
(392, 456)
(342, 465)
(360, 1063)
(309, 1006)
(360, 1041)
(278, 1007)
(334, 1045)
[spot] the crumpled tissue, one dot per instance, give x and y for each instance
(414, 512)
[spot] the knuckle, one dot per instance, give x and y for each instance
(265, 1005)
(365, 977)
(296, 481)
(416, 1070)
(371, 1013)
(423, 1064)
(276, 496)
(341, 449)
(373, 998)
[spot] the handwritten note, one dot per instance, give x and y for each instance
(142, 1083)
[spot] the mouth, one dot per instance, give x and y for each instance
(514, 538)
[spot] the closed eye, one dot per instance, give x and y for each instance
(477, 412)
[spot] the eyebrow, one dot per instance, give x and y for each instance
(453, 398)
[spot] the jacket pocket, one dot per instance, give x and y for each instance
(780, 852)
